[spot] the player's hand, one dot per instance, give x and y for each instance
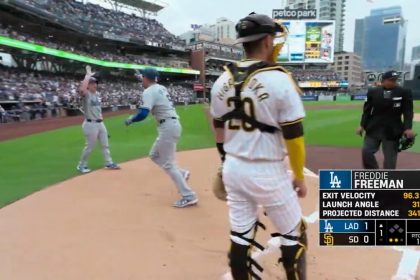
(89, 71)
(409, 133)
(360, 130)
(128, 121)
(300, 187)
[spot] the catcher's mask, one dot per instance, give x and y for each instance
(256, 26)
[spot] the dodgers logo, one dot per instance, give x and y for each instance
(335, 183)
(335, 179)
(328, 227)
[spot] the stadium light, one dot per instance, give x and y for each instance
(68, 55)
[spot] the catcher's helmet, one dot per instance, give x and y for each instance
(255, 27)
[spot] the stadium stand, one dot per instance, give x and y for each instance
(33, 95)
(90, 49)
(315, 75)
(115, 24)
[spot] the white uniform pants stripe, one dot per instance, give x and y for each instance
(266, 183)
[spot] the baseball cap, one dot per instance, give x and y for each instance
(93, 80)
(255, 27)
(394, 75)
(150, 73)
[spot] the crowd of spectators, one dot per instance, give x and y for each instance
(315, 75)
(312, 92)
(95, 18)
(33, 95)
(91, 50)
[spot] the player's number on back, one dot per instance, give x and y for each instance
(249, 109)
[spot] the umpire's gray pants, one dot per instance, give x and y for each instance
(389, 149)
(93, 132)
(163, 154)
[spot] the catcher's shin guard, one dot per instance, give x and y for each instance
(294, 256)
(240, 261)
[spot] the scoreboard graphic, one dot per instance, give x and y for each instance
(369, 208)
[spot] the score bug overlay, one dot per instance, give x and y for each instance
(369, 207)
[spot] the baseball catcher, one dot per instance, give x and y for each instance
(255, 104)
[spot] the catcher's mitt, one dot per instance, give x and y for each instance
(218, 186)
(406, 143)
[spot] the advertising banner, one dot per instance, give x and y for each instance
(309, 98)
(294, 14)
(326, 98)
(309, 41)
(343, 98)
(359, 97)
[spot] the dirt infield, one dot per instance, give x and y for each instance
(14, 130)
(119, 225)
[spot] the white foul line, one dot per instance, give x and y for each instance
(408, 264)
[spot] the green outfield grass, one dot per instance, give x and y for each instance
(30, 163)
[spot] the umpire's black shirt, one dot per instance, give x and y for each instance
(383, 112)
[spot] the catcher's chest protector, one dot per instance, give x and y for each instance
(241, 76)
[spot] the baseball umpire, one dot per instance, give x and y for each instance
(387, 116)
(255, 104)
(93, 127)
(156, 100)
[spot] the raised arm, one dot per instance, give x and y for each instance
(84, 86)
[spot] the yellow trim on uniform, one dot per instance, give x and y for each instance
(291, 122)
(276, 67)
(296, 150)
(259, 71)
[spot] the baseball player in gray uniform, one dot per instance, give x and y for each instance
(93, 126)
(156, 100)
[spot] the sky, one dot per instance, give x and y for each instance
(178, 16)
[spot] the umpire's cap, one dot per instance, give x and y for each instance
(390, 75)
(255, 27)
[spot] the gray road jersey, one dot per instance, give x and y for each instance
(92, 106)
(156, 98)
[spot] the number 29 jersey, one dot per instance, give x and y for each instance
(272, 98)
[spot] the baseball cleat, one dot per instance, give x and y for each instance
(186, 175)
(113, 166)
(83, 169)
(185, 202)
